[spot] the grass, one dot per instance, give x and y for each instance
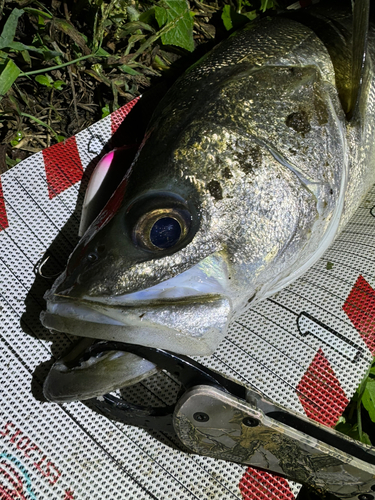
(64, 66)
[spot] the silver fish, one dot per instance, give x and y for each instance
(253, 162)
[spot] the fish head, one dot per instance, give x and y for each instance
(182, 242)
(233, 189)
(147, 266)
(237, 189)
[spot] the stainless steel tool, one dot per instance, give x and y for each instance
(217, 417)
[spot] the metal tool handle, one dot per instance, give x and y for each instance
(214, 423)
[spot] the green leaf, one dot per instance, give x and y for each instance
(132, 12)
(75, 35)
(147, 16)
(23, 96)
(44, 80)
(368, 398)
(18, 46)
(18, 138)
(135, 27)
(10, 27)
(8, 76)
(349, 430)
(26, 56)
(250, 15)
(15, 103)
(267, 4)
(37, 12)
(129, 70)
(232, 19)
(58, 84)
(10, 162)
(105, 111)
(160, 64)
(176, 14)
(226, 17)
(102, 52)
(366, 438)
(344, 427)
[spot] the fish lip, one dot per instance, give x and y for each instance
(151, 303)
(108, 371)
(187, 314)
(174, 328)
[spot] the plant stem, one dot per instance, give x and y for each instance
(360, 392)
(31, 117)
(52, 68)
(359, 420)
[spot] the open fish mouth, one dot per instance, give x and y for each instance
(187, 314)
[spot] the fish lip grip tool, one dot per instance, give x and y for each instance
(216, 417)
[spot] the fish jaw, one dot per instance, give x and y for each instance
(187, 314)
(71, 379)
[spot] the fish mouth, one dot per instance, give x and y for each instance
(170, 324)
(191, 326)
(187, 314)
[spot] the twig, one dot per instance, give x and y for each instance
(66, 11)
(73, 91)
(29, 149)
(87, 107)
(49, 117)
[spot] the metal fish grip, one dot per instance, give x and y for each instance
(217, 417)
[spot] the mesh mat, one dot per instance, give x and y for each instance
(307, 348)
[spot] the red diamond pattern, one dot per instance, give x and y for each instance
(360, 309)
(260, 485)
(320, 392)
(62, 165)
(3, 213)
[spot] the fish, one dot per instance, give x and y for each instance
(251, 165)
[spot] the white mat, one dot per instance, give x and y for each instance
(306, 348)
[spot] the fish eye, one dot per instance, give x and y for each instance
(161, 229)
(165, 232)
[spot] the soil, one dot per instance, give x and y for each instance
(94, 86)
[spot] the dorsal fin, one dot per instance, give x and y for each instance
(361, 15)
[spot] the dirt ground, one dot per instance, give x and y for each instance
(118, 56)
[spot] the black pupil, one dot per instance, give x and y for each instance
(165, 232)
